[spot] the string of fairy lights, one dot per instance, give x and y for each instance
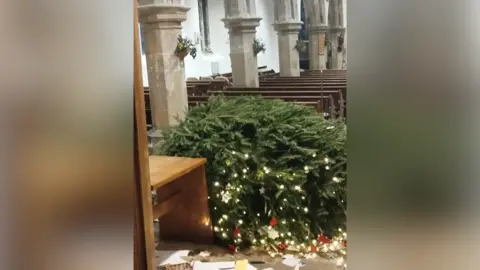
(276, 242)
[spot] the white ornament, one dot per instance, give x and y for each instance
(272, 234)
(262, 190)
(226, 197)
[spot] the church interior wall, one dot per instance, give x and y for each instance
(219, 39)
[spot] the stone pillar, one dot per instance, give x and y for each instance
(336, 33)
(317, 50)
(241, 21)
(288, 25)
(161, 21)
(316, 13)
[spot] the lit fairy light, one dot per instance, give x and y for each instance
(233, 152)
(314, 155)
(298, 188)
(216, 184)
(305, 209)
(225, 217)
(240, 221)
(327, 168)
(246, 155)
(336, 179)
(326, 160)
(235, 175)
(244, 170)
(282, 186)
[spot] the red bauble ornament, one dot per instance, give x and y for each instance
(313, 248)
(273, 221)
(236, 232)
(282, 246)
(323, 239)
(345, 243)
(232, 248)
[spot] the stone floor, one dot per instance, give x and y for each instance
(219, 254)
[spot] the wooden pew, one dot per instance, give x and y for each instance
(317, 104)
(323, 103)
(182, 199)
(337, 101)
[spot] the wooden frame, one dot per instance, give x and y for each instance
(144, 242)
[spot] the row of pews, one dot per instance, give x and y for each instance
(324, 90)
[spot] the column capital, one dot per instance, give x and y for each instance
(337, 29)
(322, 28)
(288, 26)
(163, 15)
(242, 24)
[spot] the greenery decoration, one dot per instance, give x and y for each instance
(276, 172)
(341, 41)
(184, 47)
(301, 46)
(258, 47)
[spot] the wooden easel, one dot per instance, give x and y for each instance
(144, 245)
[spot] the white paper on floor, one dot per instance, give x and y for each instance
(217, 266)
(292, 261)
(171, 256)
(204, 254)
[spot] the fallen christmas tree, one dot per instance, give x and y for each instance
(276, 172)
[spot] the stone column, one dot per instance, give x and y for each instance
(288, 25)
(241, 21)
(317, 50)
(161, 21)
(336, 32)
(317, 27)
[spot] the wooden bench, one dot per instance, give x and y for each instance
(182, 198)
(322, 104)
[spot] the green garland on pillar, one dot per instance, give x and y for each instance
(276, 171)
